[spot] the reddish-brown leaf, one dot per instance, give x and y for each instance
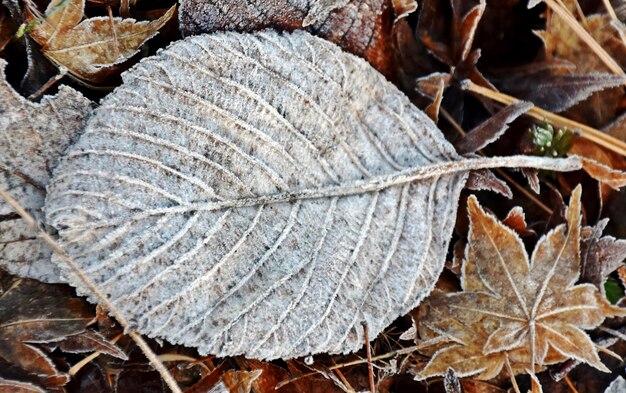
(516, 220)
(8, 27)
(362, 27)
(9, 386)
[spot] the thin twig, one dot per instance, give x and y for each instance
(585, 37)
(116, 48)
(49, 83)
(579, 11)
(509, 370)
(402, 351)
(95, 291)
(570, 385)
(610, 10)
(368, 350)
(589, 133)
(344, 380)
(523, 190)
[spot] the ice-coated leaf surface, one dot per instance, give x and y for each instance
(32, 138)
(260, 194)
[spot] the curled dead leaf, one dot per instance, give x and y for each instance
(93, 49)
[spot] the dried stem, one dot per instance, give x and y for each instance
(570, 385)
(344, 380)
(579, 12)
(610, 10)
(95, 291)
(403, 351)
(370, 368)
(589, 133)
(509, 370)
(49, 83)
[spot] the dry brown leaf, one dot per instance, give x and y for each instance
(402, 8)
(34, 136)
(530, 313)
(90, 341)
(10, 386)
(604, 166)
(32, 313)
(600, 255)
(562, 43)
(362, 27)
(236, 381)
(95, 48)
(491, 129)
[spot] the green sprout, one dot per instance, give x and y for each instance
(548, 143)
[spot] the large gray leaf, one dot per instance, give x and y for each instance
(260, 194)
(32, 138)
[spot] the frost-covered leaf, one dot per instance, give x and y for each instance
(11, 386)
(555, 92)
(362, 27)
(491, 129)
(600, 255)
(94, 48)
(613, 178)
(261, 194)
(34, 135)
(530, 312)
(484, 179)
